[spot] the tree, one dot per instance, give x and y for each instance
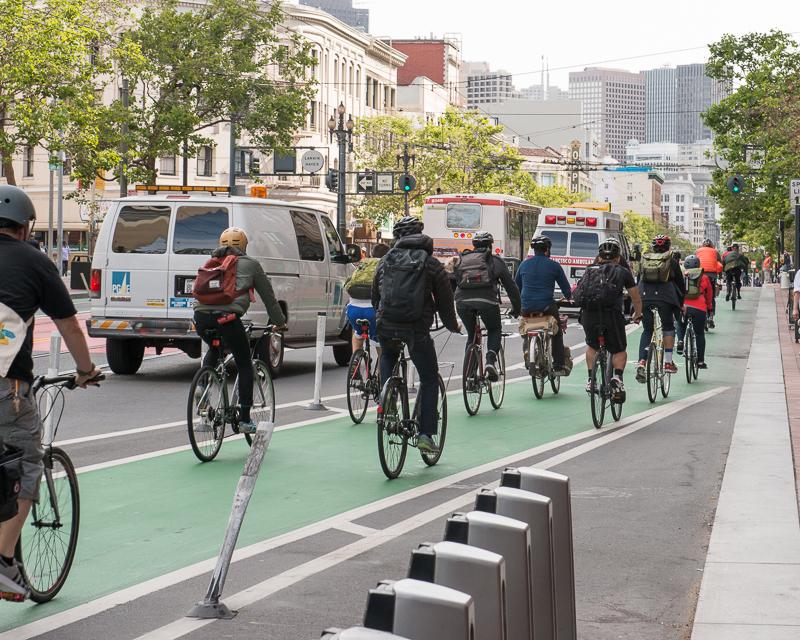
(762, 114)
(49, 71)
(641, 230)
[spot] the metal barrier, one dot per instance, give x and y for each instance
(511, 539)
(316, 404)
(477, 572)
(358, 633)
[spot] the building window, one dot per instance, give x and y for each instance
(204, 161)
(666, 197)
(629, 198)
(27, 163)
(312, 116)
(167, 166)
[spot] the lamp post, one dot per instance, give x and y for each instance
(343, 131)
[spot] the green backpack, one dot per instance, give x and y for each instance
(359, 284)
(693, 278)
(656, 267)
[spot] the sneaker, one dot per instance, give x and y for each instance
(641, 372)
(491, 373)
(617, 391)
(679, 347)
(249, 427)
(702, 365)
(591, 387)
(670, 367)
(711, 323)
(426, 444)
(12, 584)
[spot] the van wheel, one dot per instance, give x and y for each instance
(271, 351)
(342, 353)
(124, 356)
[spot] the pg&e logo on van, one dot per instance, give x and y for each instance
(121, 286)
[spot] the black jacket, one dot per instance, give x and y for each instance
(490, 293)
(672, 291)
(439, 296)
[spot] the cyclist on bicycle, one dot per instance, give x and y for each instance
(696, 304)
(711, 263)
(662, 288)
(226, 319)
(537, 278)
(359, 288)
(734, 264)
(410, 286)
(478, 274)
(29, 281)
(606, 313)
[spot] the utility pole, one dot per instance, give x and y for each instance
(123, 147)
(50, 210)
(406, 164)
(232, 163)
(343, 131)
(60, 209)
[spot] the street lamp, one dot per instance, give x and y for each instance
(344, 137)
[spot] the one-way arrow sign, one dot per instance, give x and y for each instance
(365, 183)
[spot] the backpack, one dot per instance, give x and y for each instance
(598, 289)
(474, 271)
(216, 281)
(403, 286)
(656, 267)
(693, 279)
(359, 284)
(10, 474)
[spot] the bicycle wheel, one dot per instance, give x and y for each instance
(392, 440)
(598, 386)
(537, 367)
(689, 351)
(497, 390)
(357, 378)
(733, 298)
(263, 409)
(555, 384)
(695, 359)
(51, 533)
(206, 414)
(471, 386)
(652, 373)
(665, 378)
(441, 425)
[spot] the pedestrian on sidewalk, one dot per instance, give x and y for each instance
(64, 258)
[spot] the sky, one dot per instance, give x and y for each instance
(515, 34)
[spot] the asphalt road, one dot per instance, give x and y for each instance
(324, 525)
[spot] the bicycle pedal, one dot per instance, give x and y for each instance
(12, 596)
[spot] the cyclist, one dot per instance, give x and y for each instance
(711, 262)
(662, 288)
(477, 274)
(733, 264)
(410, 286)
(226, 319)
(607, 314)
(359, 288)
(29, 281)
(696, 304)
(537, 278)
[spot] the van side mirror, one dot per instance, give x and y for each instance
(353, 252)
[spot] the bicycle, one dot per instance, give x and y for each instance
(538, 356)
(46, 559)
(656, 375)
(398, 427)
(690, 350)
(793, 325)
(363, 379)
(732, 291)
(602, 394)
(474, 380)
(210, 409)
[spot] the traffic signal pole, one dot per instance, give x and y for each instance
(341, 201)
(406, 162)
(796, 236)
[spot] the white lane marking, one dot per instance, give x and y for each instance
(355, 529)
(255, 593)
(99, 605)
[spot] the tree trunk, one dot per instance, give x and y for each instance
(8, 171)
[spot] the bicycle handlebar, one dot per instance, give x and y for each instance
(68, 381)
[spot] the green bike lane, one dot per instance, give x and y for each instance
(144, 519)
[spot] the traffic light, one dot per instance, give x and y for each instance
(332, 180)
(407, 183)
(736, 184)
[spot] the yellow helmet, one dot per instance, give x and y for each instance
(234, 237)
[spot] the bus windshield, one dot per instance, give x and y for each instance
(463, 215)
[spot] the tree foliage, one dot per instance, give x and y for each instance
(641, 230)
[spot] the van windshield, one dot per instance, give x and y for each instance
(198, 228)
(584, 244)
(141, 229)
(559, 240)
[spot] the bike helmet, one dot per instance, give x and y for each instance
(234, 237)
(707, 243)
(406, 226)
(734, 247)
(661, 243)
(15, 205)
(691, 262)
(482, 239)
(541, 243)
(609, 249)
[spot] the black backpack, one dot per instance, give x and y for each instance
(474, 270)
(403, 286)
(598, 289)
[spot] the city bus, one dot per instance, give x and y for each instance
(452, 221)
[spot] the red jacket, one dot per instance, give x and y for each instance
(706, 297)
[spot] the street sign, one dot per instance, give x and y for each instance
(312, 161)
(794, 191)
(385, 183)
(365, 183)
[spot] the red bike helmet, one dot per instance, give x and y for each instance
(661, 243)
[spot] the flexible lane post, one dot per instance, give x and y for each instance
(317, 405)
(54, 362)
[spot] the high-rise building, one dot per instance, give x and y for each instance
(695, 92)
(344, 11)
(613, 106)
(485, 86)
(543, 92)
(659, 104)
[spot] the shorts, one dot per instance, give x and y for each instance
(21, 427)
(613, 323)
(354, 314)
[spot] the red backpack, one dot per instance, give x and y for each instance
(216, 282)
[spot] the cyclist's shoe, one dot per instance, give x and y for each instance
(711, 323)
(491, 372)
(641, 372)
(670, 367)
(679, 347)
(617, 391)
(702, 365)
(591, 387)
(249, 427)
(426, 444)
(12, 584)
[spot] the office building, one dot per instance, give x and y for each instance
(659, 122)
(485, 86)
(630, 189)
(344, 11)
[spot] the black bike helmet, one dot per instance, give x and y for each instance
(406, 226)
(609, 249)
(15, 205)
(691, 262)
(541, 243)
(707, 243)
(661, 243)
(482, 239)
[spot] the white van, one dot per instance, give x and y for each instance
(150, 248)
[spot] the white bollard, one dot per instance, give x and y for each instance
(412, 378)
(53, 365)
(358, 633)
(317, 405)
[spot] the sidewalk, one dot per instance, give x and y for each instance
(751, 581)
(75, 294)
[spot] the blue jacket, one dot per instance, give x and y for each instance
(537, 278)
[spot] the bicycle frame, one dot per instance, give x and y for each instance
(657, 342)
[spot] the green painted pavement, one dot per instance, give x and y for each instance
(145, 519)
